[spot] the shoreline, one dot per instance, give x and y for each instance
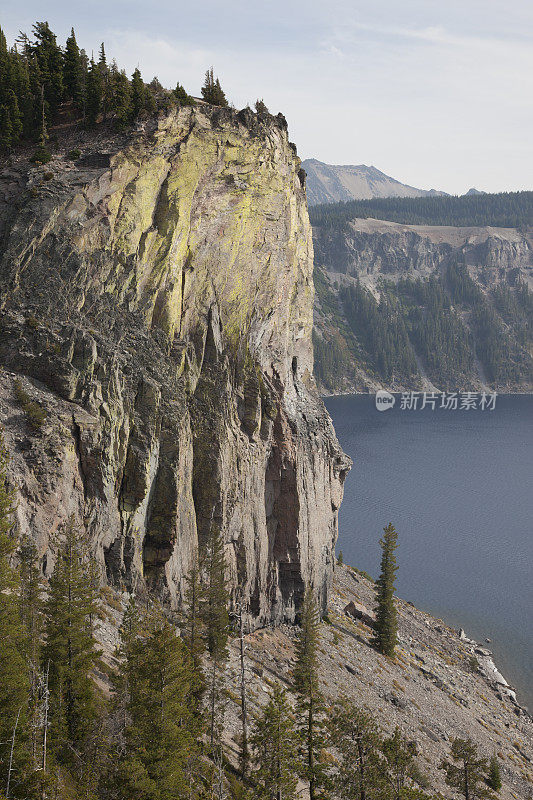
(326, 396)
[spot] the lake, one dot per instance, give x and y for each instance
(458, 486)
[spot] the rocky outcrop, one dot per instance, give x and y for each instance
(369, 248)
(156, 300)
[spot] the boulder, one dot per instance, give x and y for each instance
(360, 612)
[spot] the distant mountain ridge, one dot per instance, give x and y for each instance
(333, 183)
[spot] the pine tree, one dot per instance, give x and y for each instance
(386, 623)
(94, 93)
(14, 696)
(275, 748)
(260, 107)
(6, 134)
(494, 779)
(193, 633)
(5, 68)
(138, 94)
(31, 606)
(340, 559)
(73, 69)
(50, 61)
(121, 98)
(307, 687)
(15, 117)
(355, 736)
(399, 755)
(212, 91)
(467, 771)
(70, 651)
(182, 97)
(216, 620)
(161, 735)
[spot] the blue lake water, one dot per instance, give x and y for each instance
(458, 486)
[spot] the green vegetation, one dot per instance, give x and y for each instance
(381, 328)
(494, 779)
(507, 210)
(62, 737)
(307, 687)
(212, 90)
(386, 636)
(40, 79)
(447, 320)
(34, 412)
(466, 771)
(275, 747)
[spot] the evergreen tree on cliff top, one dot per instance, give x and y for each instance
(386, 637)
(212, 91)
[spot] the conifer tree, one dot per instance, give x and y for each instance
(386, 623)
(162, 733)
(6, 133)
(182, 97)
(121, 97)
(193, 633)
(49, 58)
(355, 736)
(73, 69)
(399, 761)
(70, 650)
(30, 605)
(494, 779)
(307, 687)
(275, 748)
(94, 92)
(466, 772)
(216, 620)
(138, 94)
(14, 694)
(212, 91)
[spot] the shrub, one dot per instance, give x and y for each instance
(73, 155)
(41, 156)
(34, 412)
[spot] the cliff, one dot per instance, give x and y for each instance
(480, 281)
(156, 300)
(371, 247)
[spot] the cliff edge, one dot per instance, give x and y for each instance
(156, 300)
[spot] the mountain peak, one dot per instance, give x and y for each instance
(331, 183)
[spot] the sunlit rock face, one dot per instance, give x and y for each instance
(156, 299)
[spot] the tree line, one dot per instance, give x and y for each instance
(505, 209)
(38, 76)
(446, 319)
(152, 725)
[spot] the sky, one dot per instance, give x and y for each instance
(436, 93)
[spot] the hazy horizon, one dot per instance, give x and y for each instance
(436, 97)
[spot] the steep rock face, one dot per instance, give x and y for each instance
(156, 299)
(369, 247)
